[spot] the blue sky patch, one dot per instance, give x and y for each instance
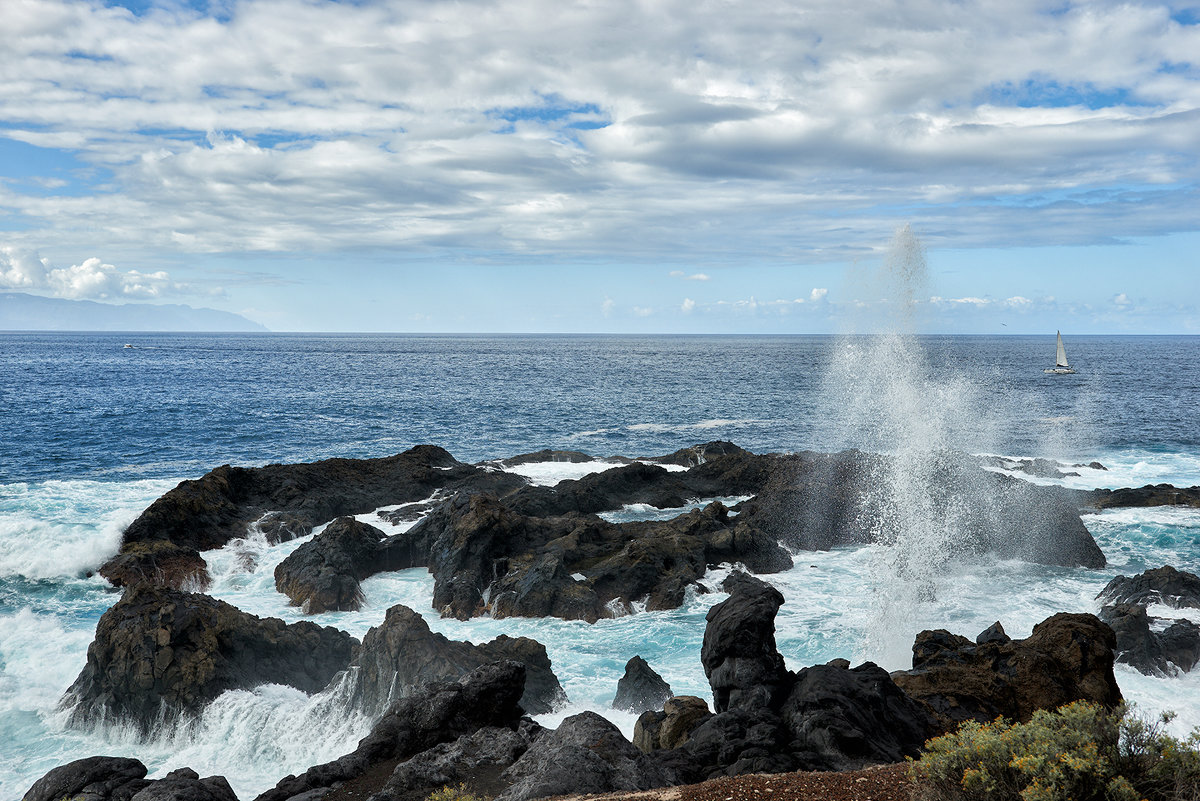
(553, 109)
(1038, 93)
(22, 160)
(217, 9)
(44, 171)
(1186, 16)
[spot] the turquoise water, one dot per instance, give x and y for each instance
(93, 432)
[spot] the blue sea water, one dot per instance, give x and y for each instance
(92, 431)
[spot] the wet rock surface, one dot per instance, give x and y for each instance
(208, 512)
(641, 689)
(401, 655)
(324, 573)
(541, 551)
(1164, 585)
(770, 720)
(161, 653)
(97, 778)
(102, 778)
(585, 754)
(739, 656)
(672, 726)
(577, 566)
(487, 697)
(1145, 644)
(1068, 657)
(1146, 496)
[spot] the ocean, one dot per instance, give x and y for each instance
(92, 431)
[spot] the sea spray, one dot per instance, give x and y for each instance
(881, 391)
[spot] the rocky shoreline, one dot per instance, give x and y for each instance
(450, 712)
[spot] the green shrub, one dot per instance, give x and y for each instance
(449, 793)
(1080, 752)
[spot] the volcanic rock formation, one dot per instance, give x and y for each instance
(161, 653)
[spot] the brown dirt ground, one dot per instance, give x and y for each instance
(878, 783)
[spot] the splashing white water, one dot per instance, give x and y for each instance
(882, 392)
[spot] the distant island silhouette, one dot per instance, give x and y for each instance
(24, 312)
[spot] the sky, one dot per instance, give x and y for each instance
(659, 166)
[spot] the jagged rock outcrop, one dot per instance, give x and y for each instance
(844, 718)
(185, 784)
(698, 455)
(993, 633)
(544, 455)
(488, 696)
(1068, 657)
(401, 654)
(324, 573)
(577, 566)
(158, 562)
(1148, 495)
(1164, 585)
(606, 490)
(102, 778)
(585, 754)
(208, 512)
(160, 653)
(671, 727)
(1167, 652)
(477, 758)
(641, 689)
(770, 720)
(741, 662)
(97, 778)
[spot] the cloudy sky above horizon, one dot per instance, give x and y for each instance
(664, 166)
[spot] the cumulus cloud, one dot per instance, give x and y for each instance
(968, 301)
(818, 294)
(686, 277)
(91, 279)
(728, 132)
(1122, 300)
(688, 306)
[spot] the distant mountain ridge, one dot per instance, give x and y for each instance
(22, 312)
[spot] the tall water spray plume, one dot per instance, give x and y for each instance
(889, 401)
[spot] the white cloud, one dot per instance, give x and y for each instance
(968, 301)
(688, 306)
(642, 311)
(91, 279)
(1122, 300)
(606, 308)
(818, 294)
(1018, 302)
(735, 130)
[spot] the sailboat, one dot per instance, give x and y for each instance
(1060, 364)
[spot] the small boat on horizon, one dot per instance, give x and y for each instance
(1060, 363)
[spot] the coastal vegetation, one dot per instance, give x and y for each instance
(1079, 752)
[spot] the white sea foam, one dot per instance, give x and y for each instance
(53, 529)
(547, 474)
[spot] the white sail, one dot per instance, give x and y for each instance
(1061, 361)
